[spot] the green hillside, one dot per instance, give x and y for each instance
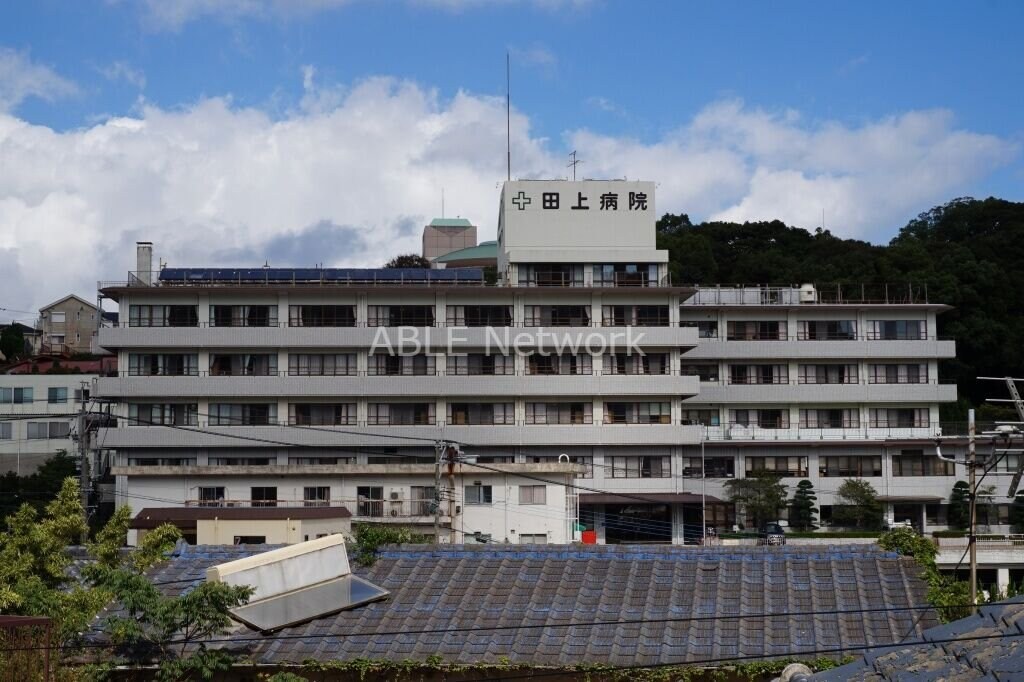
(968, 253)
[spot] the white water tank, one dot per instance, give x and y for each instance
(808, 294)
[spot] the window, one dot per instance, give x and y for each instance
(826, 330)
(701, 417)
(316, 496)
(827, 374)
(627, 363)
(550, 275)
(163, 414)
(640, 315)
(56, 394)
(898, 374)
(716, 467)
(321, 316)
(400, 316)
(481, 413)
(263, 496)
(163, 316)
(59, 430)
(58, 317)
(533, 494)
(5, 431)
(830, 419)
(638, 413)
(533, 539)
(556, 316)
(318, 364)
(165, 364)
(904, 418)
(422, 499)
(626, 275)
(480, 364)
(16, 396)
(478, 494)
(38, 431)
(322, 414)
(250, 539)
(243, 315)
(916, 463)
(400, 414)
(243, 414)
(559, 413)
(479, 316)
(706, 329)
(704, 372)
(241, 461)
(758, 374)
(565, 363)
(847, 467)
(783, 466)
(897, 330)
(57, 339)
(210, 496)
(756, 331)
(765, 419)
(382, 364)
(641, 467)
(243, 364)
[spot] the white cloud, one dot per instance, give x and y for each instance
(21, 78)
(350, 177)
(123, 71)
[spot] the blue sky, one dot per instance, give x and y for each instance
(126, 117)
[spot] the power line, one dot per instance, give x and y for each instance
(536, 626)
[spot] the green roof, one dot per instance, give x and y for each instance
(483, 250)
(450, 222)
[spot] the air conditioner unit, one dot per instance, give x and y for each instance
(396, 495)
(808, 294)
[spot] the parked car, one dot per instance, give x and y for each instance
(772, 534)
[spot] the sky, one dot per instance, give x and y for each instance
(296, 132)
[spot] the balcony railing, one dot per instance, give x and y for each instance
(738, 432)
(397, 509)
(813, 294)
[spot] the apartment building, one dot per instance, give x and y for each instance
(584, 364)
(37, 416)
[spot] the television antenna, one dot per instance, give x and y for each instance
(572, 164)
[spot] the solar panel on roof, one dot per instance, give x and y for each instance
(323, 599)
(397, 275)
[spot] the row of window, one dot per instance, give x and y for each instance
(55, 395)
(889, 373)
(370, 501)
(501, 316)
(503, 413)
(38, 430)
(602, 275)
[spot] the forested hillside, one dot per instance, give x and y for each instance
(970, 253)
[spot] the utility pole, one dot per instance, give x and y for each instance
(450, 456)
(83, 452)
(438, 451)
(972, 538)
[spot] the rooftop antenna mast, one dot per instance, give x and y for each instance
(572, 164)
(508, 113)
(442, 202)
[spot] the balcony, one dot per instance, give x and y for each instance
(286, 386)
(752, 351)
(382, 436)
(737, 433)
(824, 394)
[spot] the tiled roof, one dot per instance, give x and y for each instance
(532, 604)
(989, 646)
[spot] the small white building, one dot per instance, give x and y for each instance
(37, 417)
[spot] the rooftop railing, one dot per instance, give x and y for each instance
(809, 294)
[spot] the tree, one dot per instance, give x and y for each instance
(959, 513)
(12, 342)
(761, 496)
(37, 489)
(802, 510)
(857, 506)
(1017, 514)
(946, 594)
(408, 260)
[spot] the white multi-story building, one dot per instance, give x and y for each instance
(585, 364)
(37, 415)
